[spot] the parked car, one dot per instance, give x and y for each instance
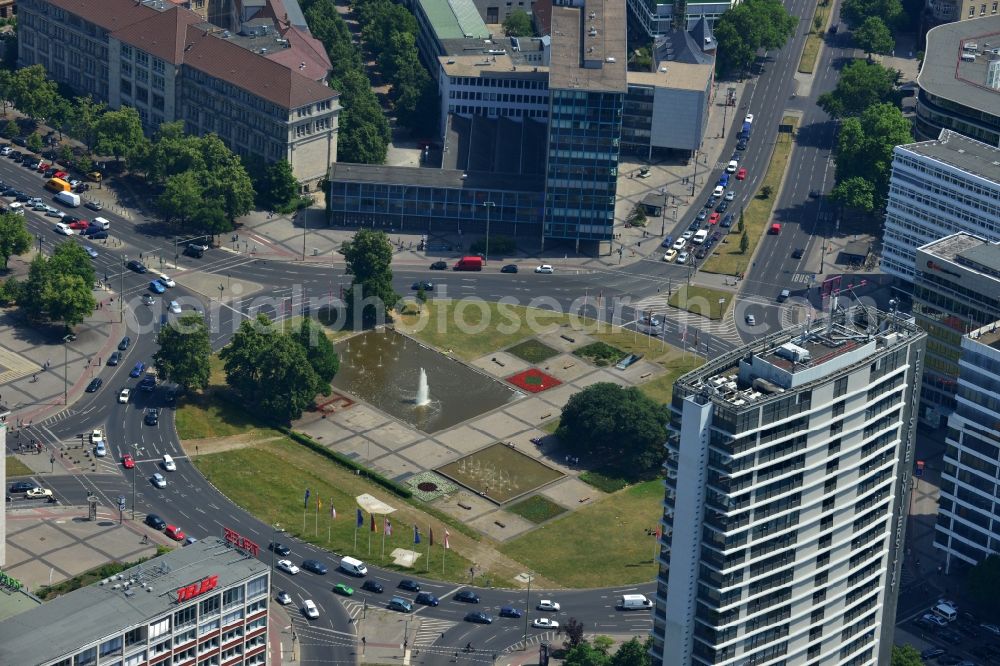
(155, 521)
(174, 532)
(439, 266)
(509, 268)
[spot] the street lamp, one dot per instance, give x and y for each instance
(488, 205)
(121, 291)
(276, 528)
(527, 608)
(66, 341)
(663, 211)
(136, 449)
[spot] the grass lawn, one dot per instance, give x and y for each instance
(470, 328)
(574, 550)
(532, 351)
(600, 353)
(633, 342)
(199, 416)
(17, 468)
(702, 301)
(727, 258)
(550, 426)
(814, 40)
(602, 482)
(269, 481)
(662, 388)
(537, 509)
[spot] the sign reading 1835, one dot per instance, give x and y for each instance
(194, 589)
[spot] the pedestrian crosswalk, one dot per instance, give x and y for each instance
(353, 608)
(534, 639)
(724, 328)
(430, 630)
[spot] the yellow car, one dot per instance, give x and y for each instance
(670, 255)
(95, 176)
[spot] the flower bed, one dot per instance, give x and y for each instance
(428, 486)
(533, 381)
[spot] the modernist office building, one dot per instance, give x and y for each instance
(657, 18)
(205, 603)
(968, 525)
(959, 81)
(956, 289)
(938, 188)
(788, 464)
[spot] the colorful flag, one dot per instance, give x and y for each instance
(361, 519)
(658, 532)
(431, 530)
(305, 502)
(388, 527)
(446, 535)
(416, 534)
(319, 504)
(374, 527)
(333, 511)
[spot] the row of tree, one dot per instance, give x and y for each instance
(748, 27)
(363, 130)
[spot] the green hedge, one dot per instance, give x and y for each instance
(342, 460)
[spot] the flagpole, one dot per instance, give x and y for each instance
(317, 518)
(383, 545)
(444, 551)
(304, 522)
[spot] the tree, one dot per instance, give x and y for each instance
(68, 299)
(873, 36)
(518, 24)
(766, 192)
(278, 188)
(119, 133)
(35, 143)
(906, 655)
(10, 130)
(319, 351)
(59, 289)
(6, 88)
(865, 144)
(861, 84)
(82, 124)
(747, 27)
(14, 237)
(855, 193)
(982, 584)
(369, 258)
(181, 195)
(855, 12)
(633, 653)
(184, 354)
(33, 93)
(574, 633)
(744, 242)
(585, 654)
(740, 225)
(619, 428)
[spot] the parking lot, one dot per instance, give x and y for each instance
(962, 641)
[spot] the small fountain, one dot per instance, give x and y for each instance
(423, 392)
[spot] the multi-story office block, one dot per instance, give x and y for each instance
(657, 18)
(938, 188)
(788, 464)
(968, 524)
(956, 289)
(205, 603)
(168, 64)
(958, 85)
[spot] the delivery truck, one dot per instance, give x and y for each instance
(68, 199)
(634, 602)
(468, 264)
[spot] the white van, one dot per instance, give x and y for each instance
(68, 199)
(354, 567)
(946, 611)
(634, 602)
(700, 237)
(101, 222)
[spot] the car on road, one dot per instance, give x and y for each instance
(344, 590)
(136, 265)
(509, 268)
(155, 521)
(727, 221)
(701, 253)
(79, 224)
(680, 243)
(467, 596)
(137, 369)
(156, 287)
(439, 266)
(682, 257)
(123, 395)
(748, 118)
(22, 486)
(123, 345)
(732, 166)
(38, 493)
(168, 463)
(934, 619)
(283, 598)
(148, 382)
(547, 605)
(422, 284)
(992, 628)
(279, 548)
(152, 417)
(722, 207)
(544, 268)
(479, 618)
(544, 623)
(774, 229)
(166, 281)
(128, 461)
(741, 174)
(287, 567)
(409, 585)
(63, 229)
(400, 604)
(702, 216)
(158, 480)
(315, 566)
(309, 608)
(94, 384)
(174, 532)
(175, 307)
(427, 599)
(730, 195)
(373, 586)
(94, 205)
(931, 653)
(147, 299)
(91, 251)
(750, 320)
(714, 199)
(670, 255)
(100, 449)
(686, 235)
(510, 611)
(713, 219)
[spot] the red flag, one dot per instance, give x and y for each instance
(658, 532)
(446, 535)
(374, 527)
(430, 531)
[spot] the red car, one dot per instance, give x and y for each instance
(79, 224)
(741, 174)
(60, 174)
(775, 229)
(44, 166)
(714, 218)
(174, 533)
(128, 461)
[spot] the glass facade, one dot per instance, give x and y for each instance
(582, 168)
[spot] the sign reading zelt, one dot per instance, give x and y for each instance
(241, 542)
(194, 589)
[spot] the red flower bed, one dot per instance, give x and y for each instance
(533, 381)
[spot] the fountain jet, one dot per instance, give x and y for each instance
(423, 392)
